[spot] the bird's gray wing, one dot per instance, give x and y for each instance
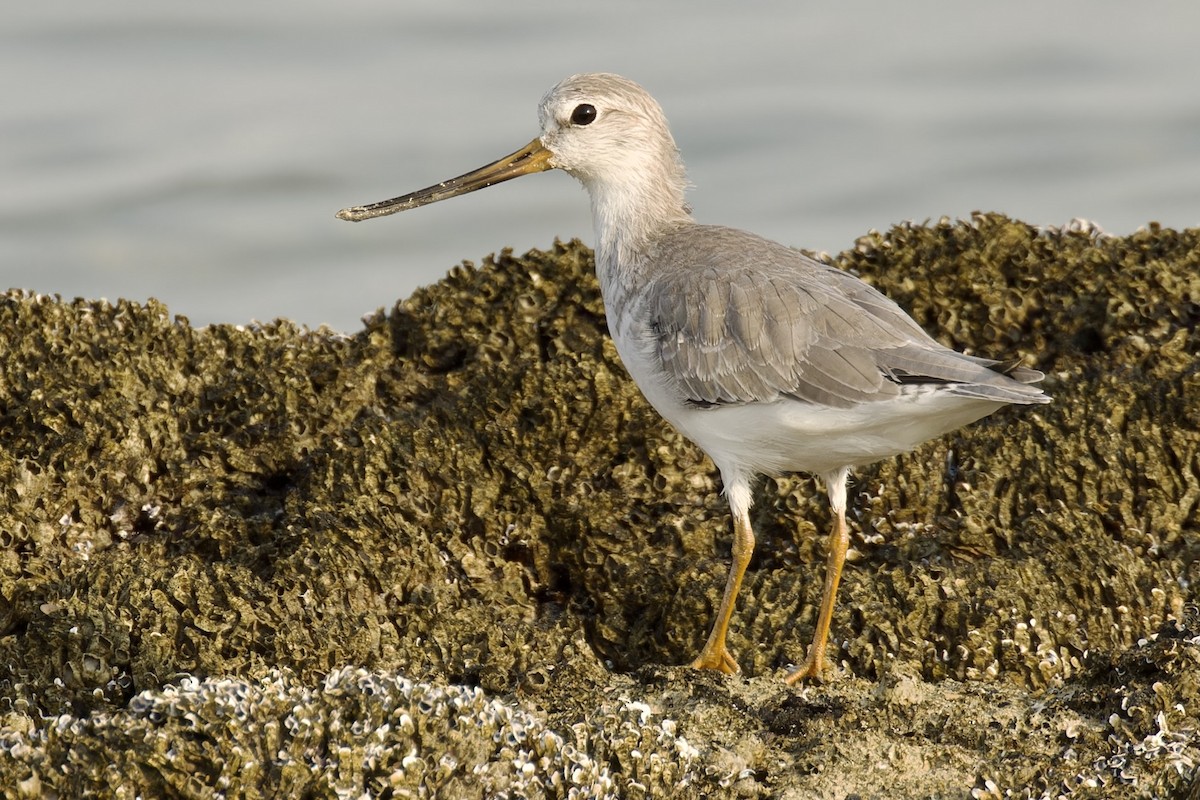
(739, 319)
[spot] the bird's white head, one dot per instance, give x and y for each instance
(605, 129)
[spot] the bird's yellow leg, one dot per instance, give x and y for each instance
(839, 541)
(715, 654)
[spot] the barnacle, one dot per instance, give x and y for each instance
(441, 552)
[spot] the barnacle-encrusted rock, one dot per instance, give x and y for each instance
(447, 555)
(354, 733)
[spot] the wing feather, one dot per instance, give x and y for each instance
(740, 319)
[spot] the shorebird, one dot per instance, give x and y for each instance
(770, 361)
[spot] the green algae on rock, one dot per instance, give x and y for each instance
(470, 492)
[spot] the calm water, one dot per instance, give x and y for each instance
(197, 153)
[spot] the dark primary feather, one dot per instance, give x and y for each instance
(787, 325)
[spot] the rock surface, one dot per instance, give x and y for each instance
(453, 554)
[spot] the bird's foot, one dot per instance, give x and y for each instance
(812, 668)
(717, 658)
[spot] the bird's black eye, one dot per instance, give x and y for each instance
(584, 114)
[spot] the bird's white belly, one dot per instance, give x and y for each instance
(789, 435)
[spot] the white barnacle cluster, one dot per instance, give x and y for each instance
(1153, 746)
(360, 733)
(1043, 651)
(1078, 226)
(1152, 737)
(1153, 765)
(645, 751)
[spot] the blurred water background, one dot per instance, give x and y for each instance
(197, 152)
